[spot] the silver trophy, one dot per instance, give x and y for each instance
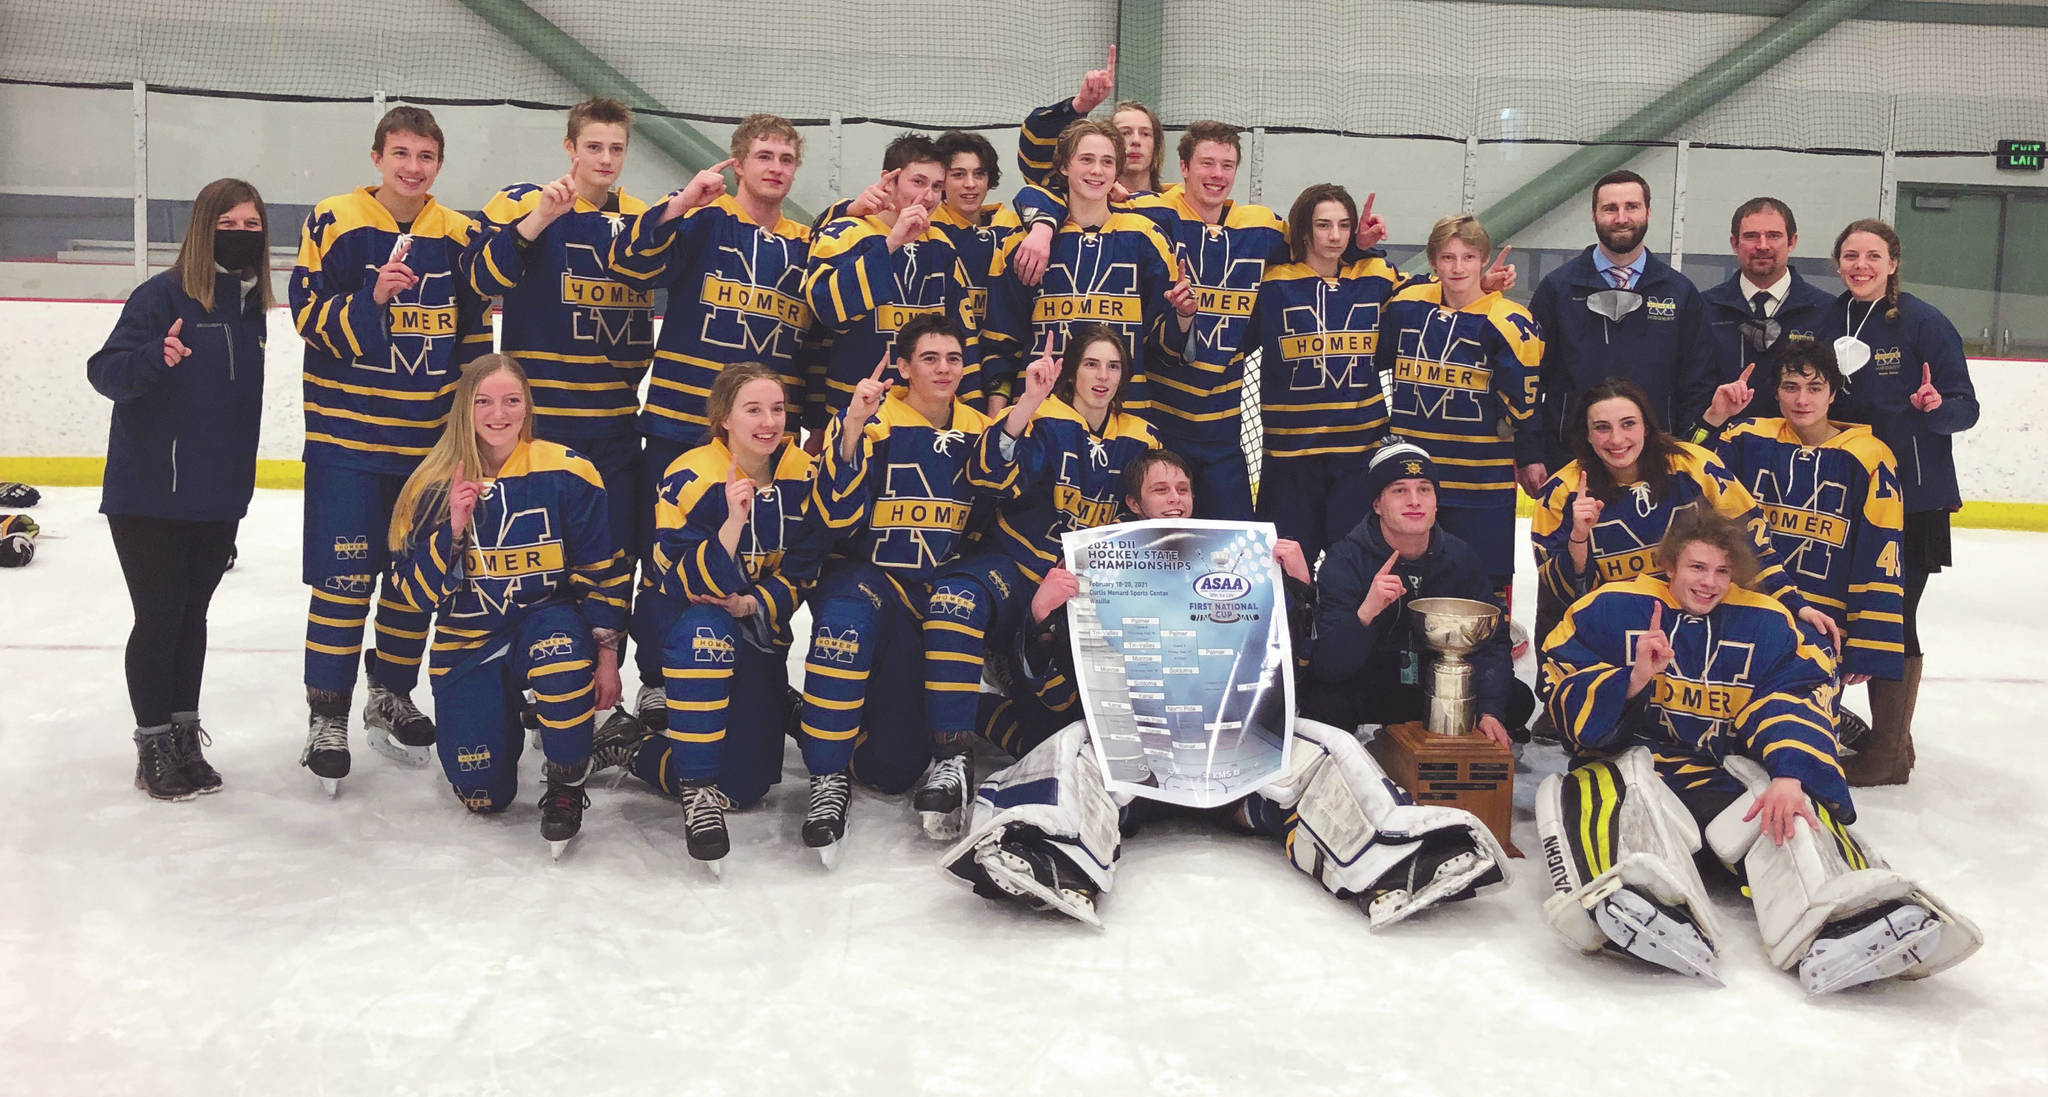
(1453, 628)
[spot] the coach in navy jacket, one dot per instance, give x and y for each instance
(184, 368)
(1661, 346)
(1799, 318)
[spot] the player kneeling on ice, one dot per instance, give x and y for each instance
(1045, 832)
(734, 542)
(1701, 712)
(505, 540)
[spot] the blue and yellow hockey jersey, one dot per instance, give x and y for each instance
(735, 294)
(539, 536)
(379, 378)
(774, 560)
(1319, 387)
(1464, 388)
(1117, 274)
(1059, 476)
(1200, 396)
(977, 243)
(863, 294)
(1835, 512)
(584, 337)
(904, 501)
(1624, 540)
(1745, 679)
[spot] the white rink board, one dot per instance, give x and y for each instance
(268, 940)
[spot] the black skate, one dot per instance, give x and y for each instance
(561, 806)
(1445, 870)
(1849, 728)
(704, 825)
(159, 768)
(188, 735)
(398, 729)
(825, 822)
(651, 706)
(941, 798)
(1020, 866)
(326, 752)
(616, 743)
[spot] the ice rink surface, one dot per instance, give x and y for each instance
(267, 940)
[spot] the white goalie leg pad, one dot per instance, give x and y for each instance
(1057, 791)
(1624, 829)
(1823, 876)
(1356, 828)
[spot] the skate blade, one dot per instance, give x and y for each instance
(409, 757)
(1453, 876)
(332, 785)
(946, 826)
(1895, 953)
(715, 868)
(555, 848)
(828, 855)
(1646, 933)
(1014, 876)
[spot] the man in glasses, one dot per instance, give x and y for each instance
(1766, 307)
(1615, 310)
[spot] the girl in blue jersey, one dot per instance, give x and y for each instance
(1599, 519)
(1464, 366)
(1907, 378)
(734, 540)
(184, 368)
(1315, 327)
(507, 542)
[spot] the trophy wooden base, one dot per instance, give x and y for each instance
(1464, 771)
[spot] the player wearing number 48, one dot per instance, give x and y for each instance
(184, 368)
(1701, 712)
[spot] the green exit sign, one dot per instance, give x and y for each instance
(2021, 155)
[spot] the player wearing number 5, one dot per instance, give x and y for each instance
(1907, 378)
(1464, 364)
(506, 541)
(388, 322)
(184, 368)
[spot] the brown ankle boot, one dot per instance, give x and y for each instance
(1885, 756)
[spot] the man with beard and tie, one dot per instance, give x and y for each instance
(1615, 310)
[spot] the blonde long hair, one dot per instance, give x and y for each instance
(456, 446)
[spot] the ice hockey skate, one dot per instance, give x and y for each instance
(1025, 868)
(397, 729)
(1443, 871)
(326, 752)
(941, 797)
(651, 706)
(561, 806)
(1648, 930)
(825, 822)
(704, 810)
(616, 743)
(1877, 945)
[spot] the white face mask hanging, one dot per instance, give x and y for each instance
(1852, 353)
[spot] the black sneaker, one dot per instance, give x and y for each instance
(189, 735)
(159, 768)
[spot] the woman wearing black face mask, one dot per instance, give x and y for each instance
(184, 368)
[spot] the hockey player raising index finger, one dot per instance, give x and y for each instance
(1046, 833)
(1700, 712)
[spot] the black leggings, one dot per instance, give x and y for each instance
(172, 568)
